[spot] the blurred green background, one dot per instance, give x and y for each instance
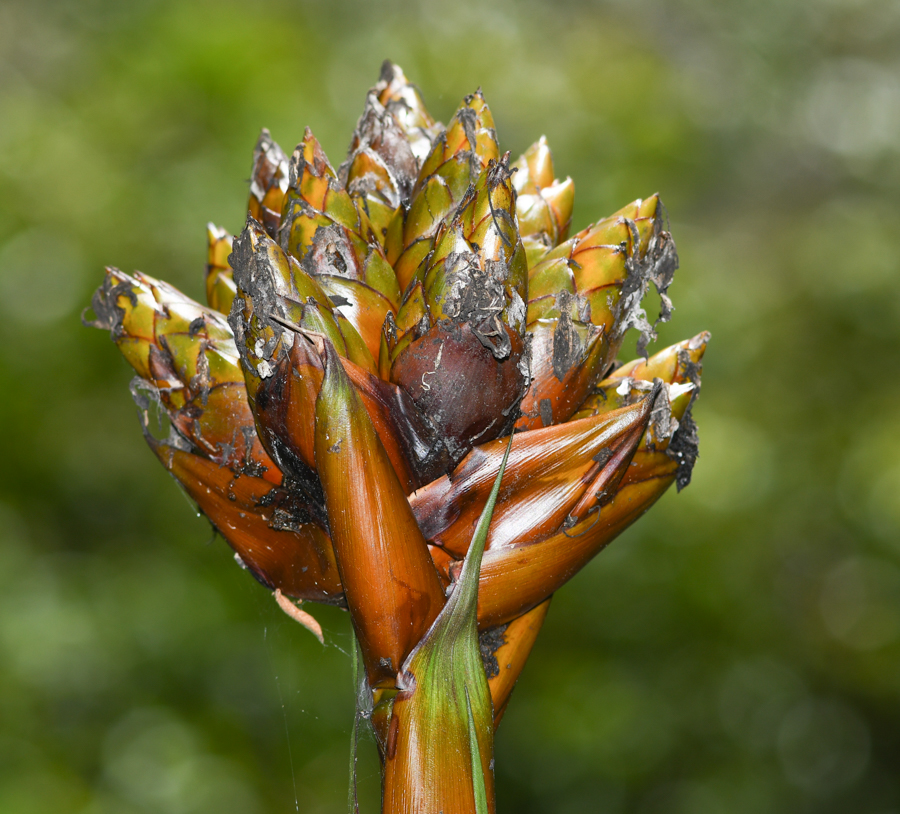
(738, 650)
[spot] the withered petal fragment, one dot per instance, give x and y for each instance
(392, 588)
(285, 413)
(267, 526)
(300, 616)
(676, 364)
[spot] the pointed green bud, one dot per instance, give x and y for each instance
(323, 228)
(478, 256)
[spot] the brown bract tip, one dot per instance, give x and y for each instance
(108, 314)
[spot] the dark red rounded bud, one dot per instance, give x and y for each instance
(467, 380)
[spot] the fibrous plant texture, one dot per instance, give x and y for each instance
(403, 399)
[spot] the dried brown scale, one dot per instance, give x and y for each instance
(390, 324)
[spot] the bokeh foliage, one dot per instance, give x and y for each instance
(737, 650)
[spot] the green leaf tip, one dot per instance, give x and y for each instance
(462, 604)
(443, 688)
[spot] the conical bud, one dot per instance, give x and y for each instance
(186, 352)
(404, 102)
(544, 205)
(458, 156)
(669, 447)
(458, 349)
(664, 454)
(268, 183)
(275, 296)
(334, 239)
(381, 167)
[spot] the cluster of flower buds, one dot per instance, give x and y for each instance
(342, 408)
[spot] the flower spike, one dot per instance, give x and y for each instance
(583, 297)
(457, 157)
(390, 326)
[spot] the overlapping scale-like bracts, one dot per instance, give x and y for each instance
(456, 159)
(389, 324)
(583, 296)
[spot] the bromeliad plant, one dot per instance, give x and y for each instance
(413, 410)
